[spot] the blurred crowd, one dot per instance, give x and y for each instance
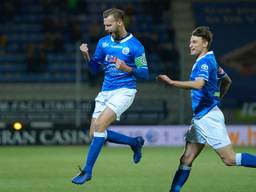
(63, 23)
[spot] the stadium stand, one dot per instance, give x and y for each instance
(39, 54)
(38, 42)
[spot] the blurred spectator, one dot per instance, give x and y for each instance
(3, 44)
(36, 59)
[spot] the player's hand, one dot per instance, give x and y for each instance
(121, 65)
(84, 49)
(165, 79)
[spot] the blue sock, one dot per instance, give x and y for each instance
(95, 147)
(246, 160)
(118, 138)
(180, 178)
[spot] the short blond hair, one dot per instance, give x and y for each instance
(117, 13)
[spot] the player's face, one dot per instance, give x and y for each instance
(112, 26)
(197, 45)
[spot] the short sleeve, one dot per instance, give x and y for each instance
(140, 56)
(203, 70)
(220, 73)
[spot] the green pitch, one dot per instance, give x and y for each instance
(50, 169)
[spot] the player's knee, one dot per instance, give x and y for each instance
(98, 126)
(186, 159)
(91, 134)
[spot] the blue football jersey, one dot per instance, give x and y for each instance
(203, 100)
(130, 50)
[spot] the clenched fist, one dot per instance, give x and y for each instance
(84, 49)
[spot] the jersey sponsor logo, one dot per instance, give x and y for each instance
(125, 50)
(141, 61)
(111, 70)
(116, 46)
(204, 67)
(110, 58)
(105, 44)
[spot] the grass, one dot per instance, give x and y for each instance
(50, 169)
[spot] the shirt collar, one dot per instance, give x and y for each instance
(124, 39)
(208, 53)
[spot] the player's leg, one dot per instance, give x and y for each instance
(217, 137)
(99, 125)
(192, 150)
(230, 158)
(92, 127)
(136, 143)
(227, 155)
(119, 103)
(195, 143)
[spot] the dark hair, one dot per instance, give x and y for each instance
(205, 33)
(117, 13)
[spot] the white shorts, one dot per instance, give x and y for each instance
(209, 129)
(118, 100)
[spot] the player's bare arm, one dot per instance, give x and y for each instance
(196, 84)
(225, 85)
(84, 49)
(165, 79)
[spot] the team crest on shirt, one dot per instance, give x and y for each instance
(204, 67)
(125, 50)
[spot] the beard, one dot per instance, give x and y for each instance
(115, 35)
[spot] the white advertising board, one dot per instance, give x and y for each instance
(240, 135)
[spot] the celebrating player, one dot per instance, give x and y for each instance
(208, 124)
(122, 57)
